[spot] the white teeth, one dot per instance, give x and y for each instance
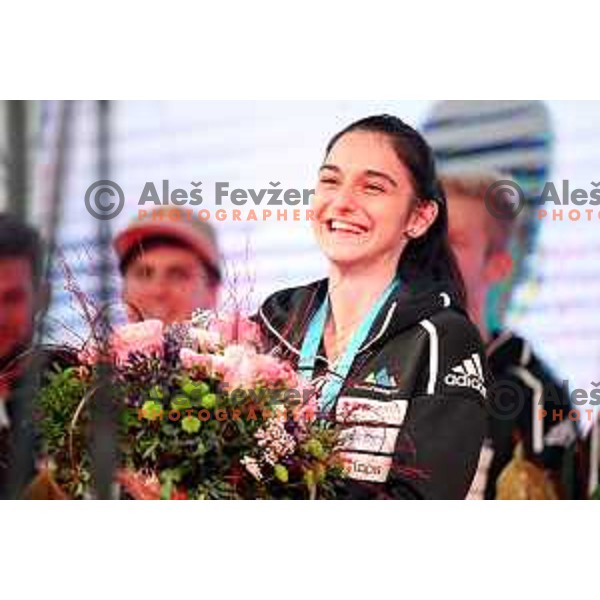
(343, 226)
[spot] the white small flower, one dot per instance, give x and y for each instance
(252, 467)
(208, 341)
(202, 318)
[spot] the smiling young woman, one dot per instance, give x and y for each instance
(385, 338)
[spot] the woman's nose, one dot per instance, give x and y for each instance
(343, 200)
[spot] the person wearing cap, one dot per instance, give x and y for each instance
(385, 339)
(170, 266)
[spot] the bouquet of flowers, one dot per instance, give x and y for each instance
(202, 413)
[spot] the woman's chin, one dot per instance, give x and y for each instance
(346, 259)
(345, 248)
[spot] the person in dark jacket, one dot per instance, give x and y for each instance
(20, 274)
(528, 405)
(385, 338)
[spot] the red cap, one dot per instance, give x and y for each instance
(197, 234)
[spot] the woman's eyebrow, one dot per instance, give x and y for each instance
(372, 173)
(368, 173)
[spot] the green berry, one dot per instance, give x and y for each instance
(180, 403)
(191, 424)
(209, 401)
(315, 448)
(195, 389)
(151, 410)
(281, 473)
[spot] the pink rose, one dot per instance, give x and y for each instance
(238, 367)
(191, 360)
(236, 329)
(140, 338)
(271, 371)
(242, 367)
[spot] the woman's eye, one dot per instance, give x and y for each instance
(328, 180)
(372, 187)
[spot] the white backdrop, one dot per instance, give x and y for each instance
(250, 144)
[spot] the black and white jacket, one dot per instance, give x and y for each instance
(523, 387)
(413, 405)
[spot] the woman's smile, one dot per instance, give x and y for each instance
(343, 230)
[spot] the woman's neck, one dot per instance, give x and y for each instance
(352, 293)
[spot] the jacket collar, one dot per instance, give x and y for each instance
(285, 315)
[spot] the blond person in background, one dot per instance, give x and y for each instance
(482, 245)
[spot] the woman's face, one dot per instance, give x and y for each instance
(362, 205)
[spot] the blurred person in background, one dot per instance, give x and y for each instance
(524, 385)
(170, 267)
(21, 297)
(20, 263)
(514, 137)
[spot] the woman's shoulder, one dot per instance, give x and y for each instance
(457, 352)
(288, 300)
(453, 325)
(282, 315)
(436, 307)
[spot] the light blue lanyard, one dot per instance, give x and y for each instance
(312, 342)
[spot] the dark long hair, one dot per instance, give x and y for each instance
(430, 256)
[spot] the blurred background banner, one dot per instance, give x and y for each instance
(251, 144)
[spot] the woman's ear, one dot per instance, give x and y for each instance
(421, 218)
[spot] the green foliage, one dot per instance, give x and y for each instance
(56, 406)
(55, 409)
(168, 436)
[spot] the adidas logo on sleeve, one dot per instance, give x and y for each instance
(469, 374)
